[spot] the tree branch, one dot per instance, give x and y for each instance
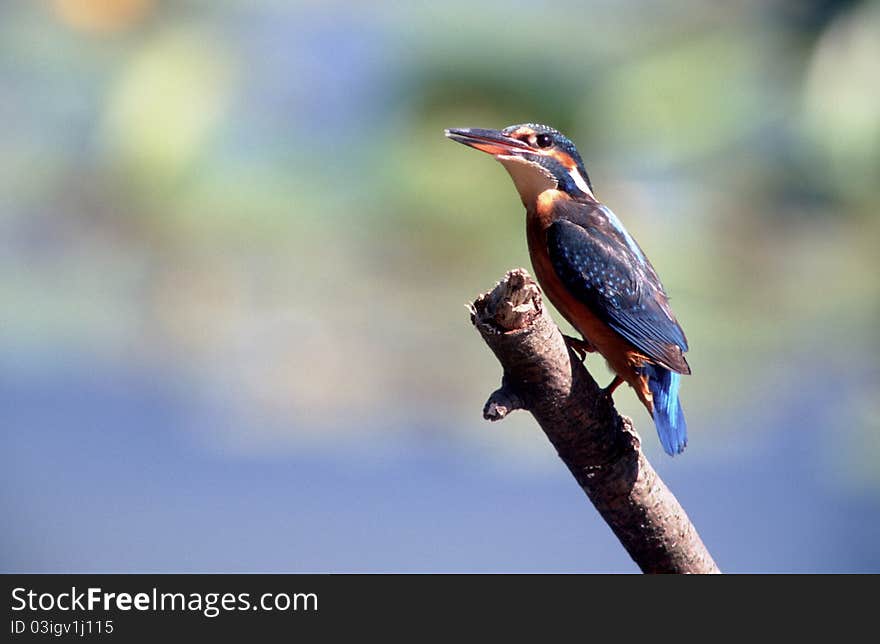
(600, 448)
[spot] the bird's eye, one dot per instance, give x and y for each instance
(543, 141)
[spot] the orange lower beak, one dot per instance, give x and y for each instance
(489, 141)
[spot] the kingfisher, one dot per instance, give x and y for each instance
(593, 271)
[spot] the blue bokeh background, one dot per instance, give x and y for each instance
(235, 250)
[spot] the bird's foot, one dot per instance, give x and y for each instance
(580, 347)
(609, 390)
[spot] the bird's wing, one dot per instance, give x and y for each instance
(600, 267)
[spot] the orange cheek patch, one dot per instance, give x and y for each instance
(566, 161)
(522, 132)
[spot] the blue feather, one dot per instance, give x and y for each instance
(668, 415)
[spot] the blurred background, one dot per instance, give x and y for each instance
(237, 250)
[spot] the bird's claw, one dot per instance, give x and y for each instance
(580, 347)
(609, 390)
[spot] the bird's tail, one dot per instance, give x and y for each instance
(668, 415)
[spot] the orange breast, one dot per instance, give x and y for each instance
(621, 356)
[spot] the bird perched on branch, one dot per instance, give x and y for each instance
(593, 271)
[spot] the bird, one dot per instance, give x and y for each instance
(593, 271)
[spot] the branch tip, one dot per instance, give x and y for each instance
(502, 401)
(513, 304)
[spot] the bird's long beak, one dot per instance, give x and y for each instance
(491, 141)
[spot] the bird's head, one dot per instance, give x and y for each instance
(537, 157)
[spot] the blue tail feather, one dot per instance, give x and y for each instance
(668, 415)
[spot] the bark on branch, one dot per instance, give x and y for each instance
(599, 447)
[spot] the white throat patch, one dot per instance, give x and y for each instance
(530, 179)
